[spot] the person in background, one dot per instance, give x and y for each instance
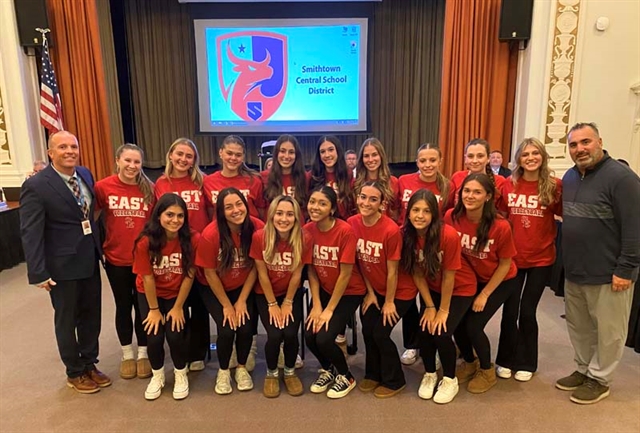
(182, 176)
(163, 262)
(495, 161)
(268, 164)
(601, 254)
(126, 200)
(38, 166)
(62, 249)
(351, 158)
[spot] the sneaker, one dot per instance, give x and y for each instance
(293, 384)
(299, 362)
(341, 387)
(447, 389)
(251, 359)
(571, 382)
(281, 358)
(483, 381)
(467, 370)
(271, 388)
(438, 363)
(154, 389)
(427, 385)
(503, 372)
(233, 361)
(523, 376)
(341, 339)
(409, 357)
(196, 366)
(325, 378)
(128, 369)
(591, 391)
(223, 382)
(181, 384)
(143, 367)
(243, 379)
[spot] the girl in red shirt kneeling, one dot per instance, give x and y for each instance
(163, 261)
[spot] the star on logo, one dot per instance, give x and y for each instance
(242, 48)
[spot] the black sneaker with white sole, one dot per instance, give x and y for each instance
(341, 387)
(320, 385)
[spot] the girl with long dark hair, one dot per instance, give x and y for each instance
(230, 272)
(164, 265)
(127, 200)
(487, 244)
(336, 288)
(373, 165)
(329, 168)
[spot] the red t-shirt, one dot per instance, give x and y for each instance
(280, 271)
(249, 186)
(344, 210)
(534, 226)
(330, 249)
(208, 256)
(378, 244)
(499, 246)
(191, 194)
(125, 214)
(288, 189)
(459, 177)
(410, 183)
(168, 273)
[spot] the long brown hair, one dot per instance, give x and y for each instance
(489, 213)
(274, 180)
(487, 148)
(144, 183)
(408, 260)
(384, 174)
(441, 181)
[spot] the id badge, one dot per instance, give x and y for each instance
(86, 227)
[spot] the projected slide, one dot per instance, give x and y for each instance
(281, 76)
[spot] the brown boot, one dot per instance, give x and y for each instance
(368, 385)
(483, 381)
(467, 370)
(384, 392)
(128, 369)
(83, 384)
(293, 384)
(143, 367)
(271, 388)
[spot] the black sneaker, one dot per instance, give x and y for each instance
(590, 392)
(341, 387)
(323, 381)
(572, 382)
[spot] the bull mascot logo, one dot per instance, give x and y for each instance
(257, 83)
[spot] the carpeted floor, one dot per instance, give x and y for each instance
(34, 398)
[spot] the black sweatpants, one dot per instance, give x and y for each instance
(123, 285)
(198, 332)
(411, 327)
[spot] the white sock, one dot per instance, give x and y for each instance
(127, 352)
(142, 352)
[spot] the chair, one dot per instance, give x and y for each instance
(266, 152)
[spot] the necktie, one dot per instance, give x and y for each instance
(78, 195)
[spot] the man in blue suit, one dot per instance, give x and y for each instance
(62, 249)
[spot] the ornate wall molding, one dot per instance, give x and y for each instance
(5, 152)
(563, 56)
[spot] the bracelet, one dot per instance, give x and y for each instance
(287, 301)
(272, 304)
(157, 308)
(430, 306)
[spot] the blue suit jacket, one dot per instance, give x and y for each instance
(50, 225)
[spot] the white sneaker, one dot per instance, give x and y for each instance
(233, 361)
(341, 387)
(523, 376)
(181, 384)
(154, 389)
(299, 362)
(409, 357)
(427, 385)
(281, 357)
(503, 372)
(196, 366)
(325, 378)
(447, 390)
(223, 382)
(438, 363)
(251, 359)
(243, 379)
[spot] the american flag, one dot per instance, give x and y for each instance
(50, 105)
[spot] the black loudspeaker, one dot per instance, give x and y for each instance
(515, 20)
(31, 14)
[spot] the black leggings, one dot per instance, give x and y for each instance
(470, 334)
(243, 334)
(275, 336)
(518, 346)
(411, 327)
(323, 344)
(123, 285)
(177, 340)
(382, 362)
(443, 343)
(199, 334)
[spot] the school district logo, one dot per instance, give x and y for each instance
(252, 72)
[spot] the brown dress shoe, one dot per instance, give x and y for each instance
(128, 369)
(101, 379)
(368, 385)
(83, 384)
(293, 384)
(271, 387)
(143, 367)
(384, 392)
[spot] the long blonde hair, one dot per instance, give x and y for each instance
(384, 174)
(196, 175)
(546, 176)
(144, 183)
(271, 234)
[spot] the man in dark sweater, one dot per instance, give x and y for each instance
(601, 253)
